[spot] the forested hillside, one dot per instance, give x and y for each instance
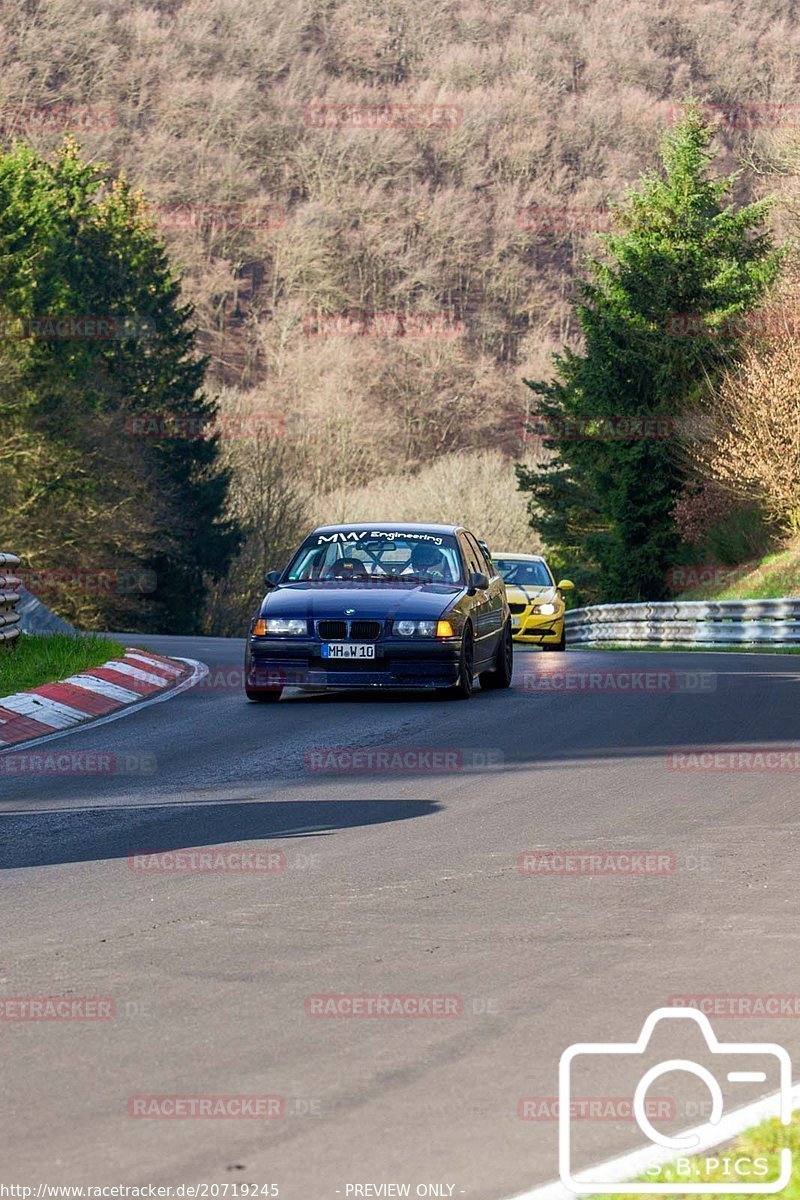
(304, 159)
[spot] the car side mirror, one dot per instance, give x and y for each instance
(566, 585)
(271, 578)
(477, 581)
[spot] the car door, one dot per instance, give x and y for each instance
(485, 638)
(496, 617)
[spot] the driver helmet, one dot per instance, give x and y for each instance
(425, 559)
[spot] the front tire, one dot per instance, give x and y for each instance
(500, 676)
(265, 686)
(465, 684)
(264, 697)
(559, 645)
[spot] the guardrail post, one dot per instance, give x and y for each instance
(9, 598)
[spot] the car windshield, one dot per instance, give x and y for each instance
(363, 556)
(524, 572)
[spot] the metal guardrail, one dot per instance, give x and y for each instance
(708, 623)
(21, 612)
(9, 597)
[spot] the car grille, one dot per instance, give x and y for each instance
(365, 631)
(517, 608)
(343, 631)
(332, 630)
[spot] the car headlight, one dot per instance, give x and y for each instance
(288, 626)
(546, 610)
(415, 628)
(426, 629)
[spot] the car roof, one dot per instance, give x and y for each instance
(521, 557)
(389, 527)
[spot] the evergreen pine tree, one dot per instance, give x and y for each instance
(681, 253)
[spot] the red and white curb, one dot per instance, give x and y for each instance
(99, 695)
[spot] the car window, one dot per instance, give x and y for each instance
(524, 572)
(487, 566)
(472, 555)
(364, 556)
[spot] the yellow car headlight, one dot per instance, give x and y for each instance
(546, 610)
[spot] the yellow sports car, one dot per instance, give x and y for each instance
(535, 600)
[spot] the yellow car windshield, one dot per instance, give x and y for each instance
(522, 573)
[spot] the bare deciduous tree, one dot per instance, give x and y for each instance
(477, 489)
(751, 440)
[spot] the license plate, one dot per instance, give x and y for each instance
(516, 622)
(347, 650)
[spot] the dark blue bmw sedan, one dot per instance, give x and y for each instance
(382, 606)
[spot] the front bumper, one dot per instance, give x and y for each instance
(535, 629)
(298, 662)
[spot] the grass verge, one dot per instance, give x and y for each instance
(774, 577)
(38, 659)
(763, 1142)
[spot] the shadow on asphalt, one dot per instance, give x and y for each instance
(87, 835)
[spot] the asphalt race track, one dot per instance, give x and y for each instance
(401, 882)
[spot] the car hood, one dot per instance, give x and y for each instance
(527, 595)
(370, 600)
